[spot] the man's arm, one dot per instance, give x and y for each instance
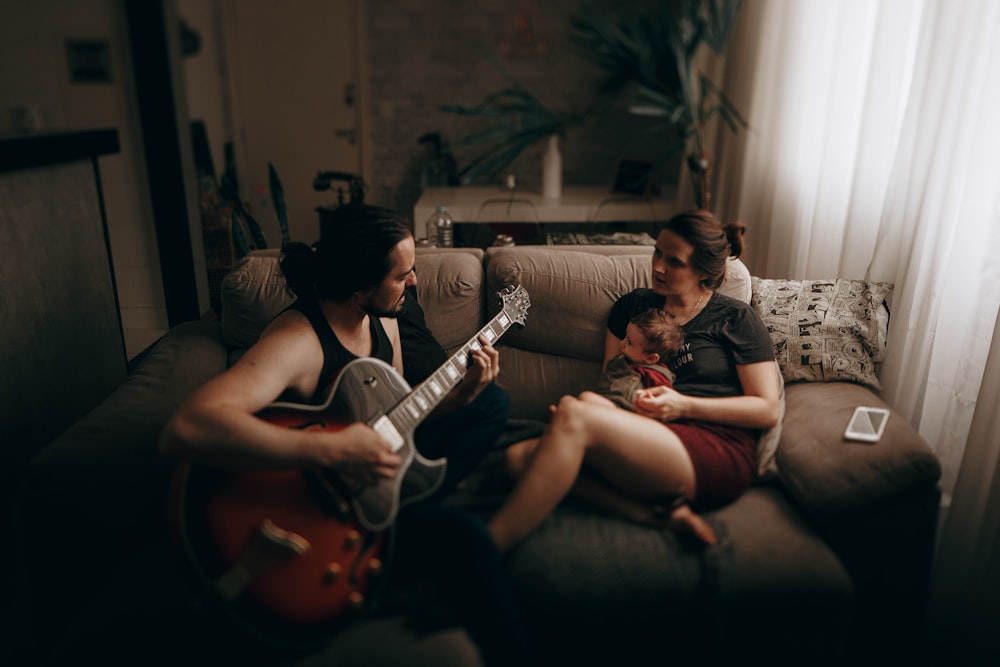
(217, 425)
(422, 353)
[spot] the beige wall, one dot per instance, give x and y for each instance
(416, 55)
(35, 76)
(205, 74)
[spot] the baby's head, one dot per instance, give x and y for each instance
(650, 336)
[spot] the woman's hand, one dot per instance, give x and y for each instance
(359, 454)
(660, 403)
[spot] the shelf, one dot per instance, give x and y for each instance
(578, 204)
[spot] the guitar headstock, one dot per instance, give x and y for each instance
(515, 303)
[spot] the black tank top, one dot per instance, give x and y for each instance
(335, 355)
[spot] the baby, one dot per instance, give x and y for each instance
(651, 335)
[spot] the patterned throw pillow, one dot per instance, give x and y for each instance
(825, 330)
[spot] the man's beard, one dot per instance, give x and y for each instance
(372, 311)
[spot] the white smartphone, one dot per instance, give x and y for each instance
(867, 424)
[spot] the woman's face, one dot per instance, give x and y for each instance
(672, 272)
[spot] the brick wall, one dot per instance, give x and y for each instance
(423, 54)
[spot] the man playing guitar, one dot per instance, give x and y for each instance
(352, 290)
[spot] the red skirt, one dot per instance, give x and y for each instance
(724, 458)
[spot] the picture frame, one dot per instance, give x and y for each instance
(89, 60)
(633, 177)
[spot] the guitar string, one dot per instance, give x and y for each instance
(442, 378)
(402, 414)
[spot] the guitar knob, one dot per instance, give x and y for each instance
(332, 573)
(355, 599)
(374, 567)
(352, 540)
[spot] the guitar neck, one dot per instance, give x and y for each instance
(428, 395)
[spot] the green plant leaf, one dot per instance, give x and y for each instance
(709, 85)
(490, 164)
(650, 50)
(278, 199)
(260, 243)
(720, 21)
(522, 121)
(239, 237)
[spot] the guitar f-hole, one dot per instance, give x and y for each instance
(330, 493)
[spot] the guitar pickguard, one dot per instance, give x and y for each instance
(366, 389)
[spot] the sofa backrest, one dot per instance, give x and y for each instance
(449, 286)
(572, 288)
(560, 348)
(558, 351)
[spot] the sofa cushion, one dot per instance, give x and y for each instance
(828, 475)
(252, 294)
(450, 290)
(620, 588)
(738, 284)
(767, 444)
(571, 294)
(825, 330)
(449, 287)
(103, 482)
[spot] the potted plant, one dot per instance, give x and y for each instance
(246, 232)
(522, 121)
(652, 56)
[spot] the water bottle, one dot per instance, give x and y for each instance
(441, 226)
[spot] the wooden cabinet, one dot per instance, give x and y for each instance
(62, 345)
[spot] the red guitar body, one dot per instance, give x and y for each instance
(291, 551)
(316, 587)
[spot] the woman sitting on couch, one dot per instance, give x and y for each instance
(690, 446)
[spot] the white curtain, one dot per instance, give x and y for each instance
(874, 152)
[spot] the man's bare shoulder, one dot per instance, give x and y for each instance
(287, 319)
(287, 336)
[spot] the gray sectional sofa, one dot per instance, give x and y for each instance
(827, 556)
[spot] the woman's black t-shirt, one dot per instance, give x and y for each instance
(727, 332)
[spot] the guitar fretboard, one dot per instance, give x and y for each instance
(421, 401)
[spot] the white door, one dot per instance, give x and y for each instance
(295, 91)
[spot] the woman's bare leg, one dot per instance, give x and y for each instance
(518, 456)
(597, 399)
(632, 452)
(591, 489)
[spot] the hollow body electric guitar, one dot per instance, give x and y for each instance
(291, 550)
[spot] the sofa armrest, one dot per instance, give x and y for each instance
(98, 491)
(829, 476)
